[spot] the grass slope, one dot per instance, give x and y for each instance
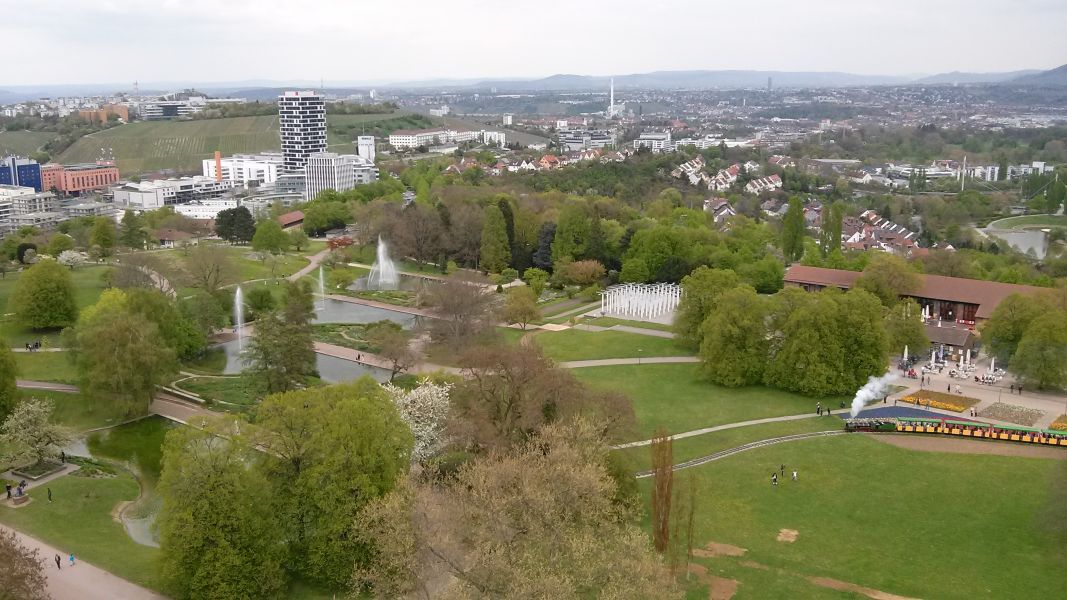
(23, 143)
(676, 397)
(918, 524)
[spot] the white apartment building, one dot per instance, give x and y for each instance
(365, 147)
(498, 138)
(245, 169)
(656, 141)
(340, 172)
(440, 112)
(508, 120)
(1035, 168)
(150, 195)
(413, 138)
(302, 126)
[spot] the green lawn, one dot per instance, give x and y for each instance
(575, 344)
(79, 521)
(46, 366)
(246, 266)
(211, 362)
(612, 321)
(697, 446)
(88, 285)
(1030, 221)
(676, 397)
(918, 524)
(78, 411)
(240, 391)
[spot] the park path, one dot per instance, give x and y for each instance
(82, 581)
(608, 362)
(725, 426)
(178, 410)
(47, 386)
(315, 260)
(627, 329)
(703, 460)
(367, 358)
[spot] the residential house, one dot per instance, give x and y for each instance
(719, 208)
(763, 184)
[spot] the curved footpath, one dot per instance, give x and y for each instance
(83, 581)
(749, 446)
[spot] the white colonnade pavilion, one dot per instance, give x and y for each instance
(640, 300)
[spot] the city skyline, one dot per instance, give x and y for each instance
(201, 41)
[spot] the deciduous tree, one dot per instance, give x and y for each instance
(1009, 322)
(465, 305)
(220, 532)
(535, 278)
(425, 410)
(103, 236)
(132, 233)
(28, 433)
(44, 297)
(904, 327)
(394, 345)
(209, 267)
(700, 292)
(521, 306)
(21, 572)
(793, 231)
(235, 225)
(888, 277)
(269, 237)
(1042, 355)
(734, 349)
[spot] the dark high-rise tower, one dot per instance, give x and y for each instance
(302, 124)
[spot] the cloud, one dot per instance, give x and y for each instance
(350, 40)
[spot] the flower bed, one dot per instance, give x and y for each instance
(1060, 424)
(940, 400)
(1012, 413)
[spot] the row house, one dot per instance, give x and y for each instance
(763, 184)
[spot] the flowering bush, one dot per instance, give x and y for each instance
(940, 400)
(1012, 413)
(424, 409)
(1060, 424)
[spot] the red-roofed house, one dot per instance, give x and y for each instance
(291, 219)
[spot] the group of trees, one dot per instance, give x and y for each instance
(821, 344)
(1029, 335)
(280, 355)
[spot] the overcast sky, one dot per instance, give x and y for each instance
(118, 41)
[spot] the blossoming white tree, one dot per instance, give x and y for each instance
(70, 258)
(424, 409)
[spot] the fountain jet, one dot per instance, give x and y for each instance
(383, 273)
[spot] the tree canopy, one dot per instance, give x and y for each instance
(44, 297)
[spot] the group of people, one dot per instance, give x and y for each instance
(1017, 388)
(20, 490)
(33, 346)
(774, 474)
(59, 561)
(819, 410)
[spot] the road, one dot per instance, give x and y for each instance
(83, 581)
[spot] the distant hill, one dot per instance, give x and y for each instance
(1056, 77)
(693, 79)
(958, 77)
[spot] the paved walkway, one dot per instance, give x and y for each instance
(315, 260)
(607, 362)
(49, 386)
(83, 581)
(627, 329)
(367, 358)
(695, 462)
(725, 426)
(23, 349)
(177, 410)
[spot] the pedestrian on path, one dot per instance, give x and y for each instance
(72, 559)
(7, 486)
(818, 408)
(949, 388)
(62, 457)
(794, 475)
(1013, 388)
(781, 469)
(774, 479)
(1020, 390)
(49, 494)
(59, 563)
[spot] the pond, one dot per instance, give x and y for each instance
(407, 283)
(331, 369)
(1024, 240)
(139, 447)
(337, 311)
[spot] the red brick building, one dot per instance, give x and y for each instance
(75, 179)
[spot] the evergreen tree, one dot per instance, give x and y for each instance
(542, 257)
(495, 252)
(793, 231)
(504, 203)
(132, 232)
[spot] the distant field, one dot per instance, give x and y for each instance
(23, 143)
(145, 147)
(1030, 221)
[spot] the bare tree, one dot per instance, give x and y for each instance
(465, 304)
(418, 233)
(209, 267)
(21, 573)
(663, 482)
(394, 345)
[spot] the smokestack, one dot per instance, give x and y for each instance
(218, 166)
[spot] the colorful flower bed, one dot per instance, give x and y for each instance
(940, 400)
(1060, 424)
(1012, 413)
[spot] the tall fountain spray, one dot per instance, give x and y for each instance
(322, 287)
(239, 317)
(383, 274)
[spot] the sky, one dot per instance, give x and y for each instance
(343, 41)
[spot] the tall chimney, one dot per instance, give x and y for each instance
(218, 166)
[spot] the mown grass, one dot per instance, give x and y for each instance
(612, 321)
(575, 344)
(677, 397)
(88, 285)
(912, 523)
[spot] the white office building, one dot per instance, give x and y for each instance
(365, 147)
(302, 125)
(150, 195)
(168, 109)
(247, 169)
(340, 172)
(656, 141)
